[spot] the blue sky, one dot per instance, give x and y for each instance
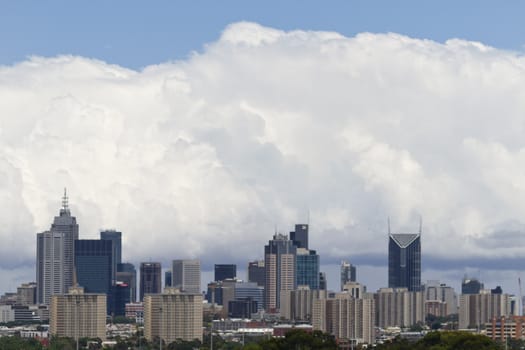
(138, 33)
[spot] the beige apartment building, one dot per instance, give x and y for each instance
(173, 315)
(78, 314)
(346, 317)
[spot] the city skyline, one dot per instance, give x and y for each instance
(267, 125)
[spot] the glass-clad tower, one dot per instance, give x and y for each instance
(404, 260)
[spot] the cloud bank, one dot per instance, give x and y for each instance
(206, 157)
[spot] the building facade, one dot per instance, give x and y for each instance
(55, 255)
(150, 278)
(224, 271)
(173, 315)
(186, 275)
(115, 237)
(398, 307)
(404, 260)
(127, 273)
(300, 236)
(307, 268)
(256, 272)
(477, 309)
(94, 265)
(297, 305)
(280, 266)
(348, 273)
(78, 315)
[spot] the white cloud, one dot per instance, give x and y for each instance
(205, 157)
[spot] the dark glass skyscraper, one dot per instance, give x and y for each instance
(300, 236)
(404, 260)
(94, 263)
(150, 278)
(224, 271)
(471, 286)
(126, 273)
(307, 268)
(256, 272)
(116, 238)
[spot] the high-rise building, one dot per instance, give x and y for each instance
(94, 265)
(280, 265)
(404, 260)
(78, 315)
(186, 275)
(150, 278)
(323, 283)
(444, 295)
(126, 273)
(300, 236)
(398, 307)
(256, 272)
(167, 278)
(477, 309)
(346, 317)
(307, 268)
(55, 255)
(173, 315)
(348, 273)
(116, 238)
(26, 294)
(224, 271)
(471, 286)
(121, 296)
(297, 305)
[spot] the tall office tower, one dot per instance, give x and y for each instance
(404, 260)
(173, 315)
(346, 317)
(439, 293)
(477, 309)
(471, 286)
(348, 273)
(300, 236)
(116, 238)
(398, 307)
(126, 273)
(94, 265)
(249, 290)
(307, 268)
(256, 272)
(150, 278)
(167, 278)
(55, 261)
(224, 271)
(78, 315)
(186, 275)
(280, 265)
(121, 295)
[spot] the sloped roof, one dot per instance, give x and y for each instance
(403, 240)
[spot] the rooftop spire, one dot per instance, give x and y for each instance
(65, 204)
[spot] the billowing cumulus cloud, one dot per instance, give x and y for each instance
(206, 157)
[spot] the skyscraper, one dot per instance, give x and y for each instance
(55, 255)
(224, 271)
(300, 236)
(186, 275)
(280, 265)
(307, 268)
(348, 273)
(126, 273)
(116, 238)
(94, 265)
(150, 278)
(404, 260)
(256, 272)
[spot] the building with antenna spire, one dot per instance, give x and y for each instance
(404, 260)
(55, 263)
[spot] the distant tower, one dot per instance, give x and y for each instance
(55, 256)
(126, 273)
(224, 271)
(404, 260)
(471, 286)
(348, 273)
(300, 236)
(116, 238)
(94, 264)
(186, 275)
(280, 265)
(256, 272)
(150, 278)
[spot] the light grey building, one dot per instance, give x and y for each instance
(55, 255)
(186, 275)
